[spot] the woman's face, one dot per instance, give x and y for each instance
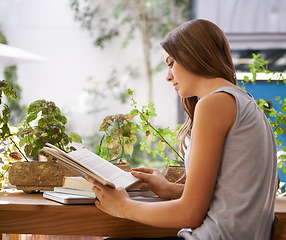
(184, 82)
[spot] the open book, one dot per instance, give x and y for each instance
(85, 162)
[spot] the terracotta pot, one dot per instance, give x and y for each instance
(37, 176)
(175, 174)
(124, 166)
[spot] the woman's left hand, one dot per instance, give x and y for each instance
(109, 200)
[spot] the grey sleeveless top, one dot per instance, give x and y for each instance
(242, 206)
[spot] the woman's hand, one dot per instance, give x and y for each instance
(109, 200)
(153, 180)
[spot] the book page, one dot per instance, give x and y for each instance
(103, 168)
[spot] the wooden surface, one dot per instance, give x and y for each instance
(280, 210)
(33, 214)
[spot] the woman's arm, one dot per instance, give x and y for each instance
(214, 117)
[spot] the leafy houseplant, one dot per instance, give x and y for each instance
(119, 137)
(49, 128)
(44, 123)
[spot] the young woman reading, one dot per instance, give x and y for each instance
(230, 151)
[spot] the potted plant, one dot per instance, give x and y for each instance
(44, 123)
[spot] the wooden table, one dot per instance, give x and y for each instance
(280, 210)
(22, 213)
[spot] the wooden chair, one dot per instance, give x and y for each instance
(277, 229)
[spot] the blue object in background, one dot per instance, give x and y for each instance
(269, 91)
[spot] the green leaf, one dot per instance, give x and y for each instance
(31, 117)
(128, 148)
(75, 137)
(129, 92)
(148, 150)
(161, 145)
(64, 120)
(28, 149)
(42, 123)
(134, 112)
(279, 131)
(117, 11)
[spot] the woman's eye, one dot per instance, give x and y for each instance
(170, 64)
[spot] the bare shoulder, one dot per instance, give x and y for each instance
(219, 107)
(219, 101)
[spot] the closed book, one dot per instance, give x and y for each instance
(139, 195)
(66, 198)
(77, 183)
(87, 193)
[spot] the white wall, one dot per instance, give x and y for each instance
(244, 16)
(47, 28)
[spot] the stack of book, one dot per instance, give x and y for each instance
(77, 190)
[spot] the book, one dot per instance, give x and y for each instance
(74, 197)
(90, 193)
(68, 198)
(84, 162)
(82, 184)
(77, 183)
(81, 192)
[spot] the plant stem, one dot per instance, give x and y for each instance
(160, 135)
(278, 124)
(100, 145)
(18, 149)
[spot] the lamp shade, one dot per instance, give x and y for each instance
(13, 56)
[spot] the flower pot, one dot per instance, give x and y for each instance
(36, 176)
(175, 174)
(124, 166)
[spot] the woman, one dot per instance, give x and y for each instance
(230, 158)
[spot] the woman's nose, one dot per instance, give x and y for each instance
(169, 77)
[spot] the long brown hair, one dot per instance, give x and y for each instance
(202, 48)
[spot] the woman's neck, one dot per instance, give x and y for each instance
(208, 85)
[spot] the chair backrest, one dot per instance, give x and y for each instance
(277, 229)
